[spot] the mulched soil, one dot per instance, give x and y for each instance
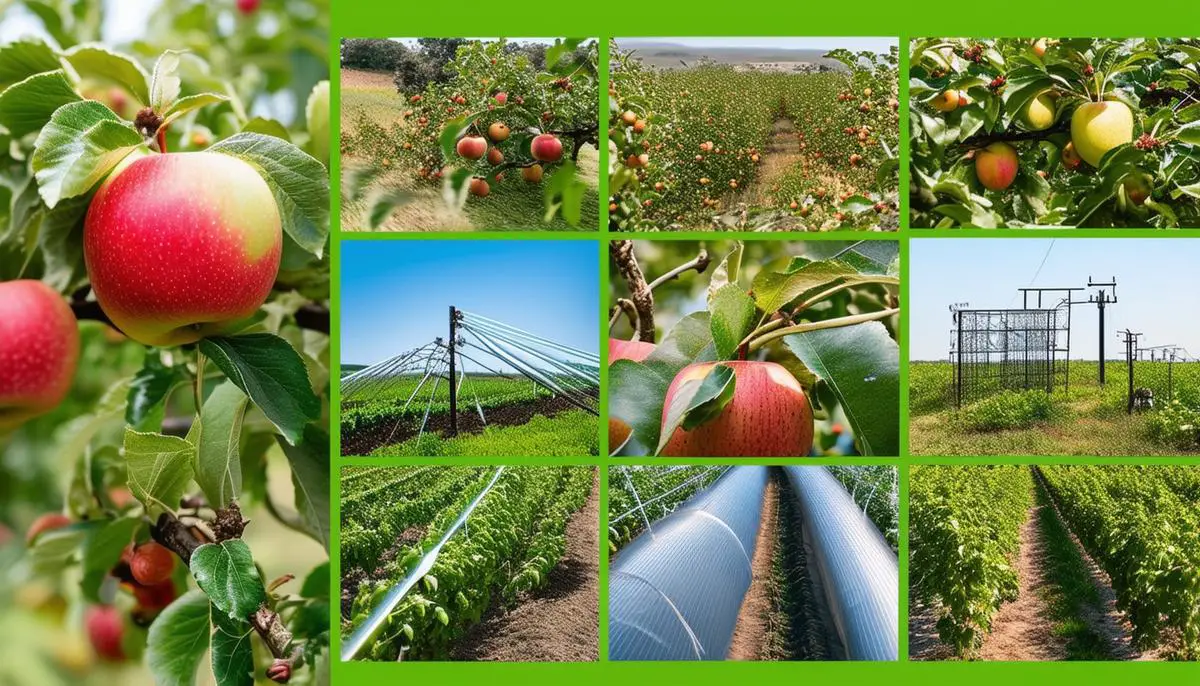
(365, 441)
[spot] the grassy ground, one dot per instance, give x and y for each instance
(568, 434)
(1089, 419)
(511, 205)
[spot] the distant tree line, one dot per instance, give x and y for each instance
(413, 68)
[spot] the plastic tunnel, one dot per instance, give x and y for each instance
(859, 572)
(675, 592)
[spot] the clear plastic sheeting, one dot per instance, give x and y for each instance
(859, 572)
(675, 592)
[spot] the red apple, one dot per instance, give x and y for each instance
(479, 187)
(495, 157)
(996, 166)
(180, 246)
(471, 147)
(47, 522)
(546, 148)
(39, 348)
(501, 97)
(105, 629)
(628, 350)
(769, 415)
(248, 6)
(498, 131)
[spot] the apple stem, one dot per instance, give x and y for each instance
(162, 139)
(817, 326)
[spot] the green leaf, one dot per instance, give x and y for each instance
(165, 84)
(178, 639)
(232, 653)
(159, 468)
(226, 572)
(271, 372)
(727, 272)
(299, 182)
(98, 61)
(23, 58)
(697, 401)
(267, 127)
(191, 102)
(79, 146)
(146, 401)
(53, 549)
(316, 584)
(102, 551)
(60, 238)
(635, 399)
(731, 313)
(310, 480)
(316, 112)
(861, 364)
(26, 106)
(684, 344)
(218, 460)
(774, 290)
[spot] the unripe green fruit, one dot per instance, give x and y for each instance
(1038, 114)
(1097, 127)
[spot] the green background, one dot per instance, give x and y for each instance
(360, 19)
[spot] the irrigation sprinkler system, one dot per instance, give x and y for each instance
(488, 345)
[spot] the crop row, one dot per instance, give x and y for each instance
(685, 142)
(510, 543)
(1142, 526)
(375, 524)
(964, 533)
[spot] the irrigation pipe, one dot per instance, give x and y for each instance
(361, 636)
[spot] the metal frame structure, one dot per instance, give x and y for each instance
(1010, 349)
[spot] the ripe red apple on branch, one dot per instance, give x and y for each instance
(768, 416)
(39, 349)
(181, 246)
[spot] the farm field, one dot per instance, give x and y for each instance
(515, 580)
(774, 609)
(1058, 562)
(402, 169)
(752, 146)
(1088, 419)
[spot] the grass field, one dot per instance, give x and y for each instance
(371, 98)
(1088, 419)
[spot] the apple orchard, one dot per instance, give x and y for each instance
(163, 339)
(1087, 133)
(499, 130)
(715, 147)
(794, 354)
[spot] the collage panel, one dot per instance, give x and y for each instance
(1051, 562)
(1047, 346)
(753, 563)
(470, 348)
(467, 563)
(754, 348)
(753, 134)
(1054, 132)
(470, 134)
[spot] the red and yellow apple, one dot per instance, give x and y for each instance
(769, 415)
(546, 147)
(498, 131)
(532, 173)
(996, 166)
(1070, 158)
(947, 101)
(628, 350)
(105, 629)
(39, 349)
(471, 147)
(1137, 188)
(181, 246)
(479, 187)
(1097, 127)
(46, 522)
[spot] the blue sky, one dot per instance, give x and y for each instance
(1157, 283)
(396, 294)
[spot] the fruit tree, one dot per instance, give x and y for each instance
(1088, 133)
(164, 347)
